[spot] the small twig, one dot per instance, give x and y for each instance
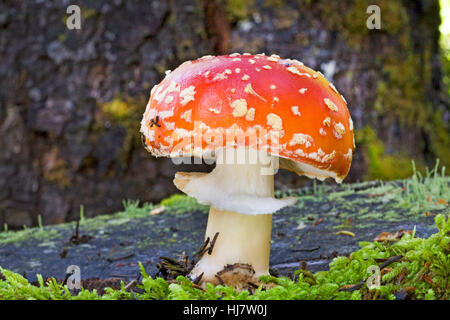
(273, 272)
(67, 277)
(318, 222)
(129, 284)
(198, 279)
(382, 266)
(251, 284)
(353, 288)
(113, 275)
(77, 229)
(213, 242)
(401, 276)
(199, 253)
(120, 258)
(390, 261)
(170, 260)
(196, 286)
(76, 239)
(220, 279)
(306, 249)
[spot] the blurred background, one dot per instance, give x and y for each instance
(71, 100)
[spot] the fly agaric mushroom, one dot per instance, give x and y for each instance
(205, 107)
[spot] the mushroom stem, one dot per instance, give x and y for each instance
(242, 240)
(242, 201)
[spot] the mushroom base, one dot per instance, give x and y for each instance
(240, 252)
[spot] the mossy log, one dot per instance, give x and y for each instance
(324, 223)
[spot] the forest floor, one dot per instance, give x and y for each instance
(326, 222)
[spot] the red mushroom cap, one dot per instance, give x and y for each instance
(198, 105)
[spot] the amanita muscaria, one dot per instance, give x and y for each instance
(267, 109)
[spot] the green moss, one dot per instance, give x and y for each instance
(59, 174)
(44, 234)
(440, 137)
(237, 9)
(381, 165)
(56, 169)
(405, 73)
(181, 203)
(349, 18)
(422, 271)
(62, 37)
(127, 113)
(118, 109)
(89, 13)
(402, 95)
(392, 201)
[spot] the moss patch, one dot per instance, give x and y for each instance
(124, 112)
(181, 203)
(237, 9)
(381, 165)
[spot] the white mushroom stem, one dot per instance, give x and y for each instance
(242, 201)
(242, 239)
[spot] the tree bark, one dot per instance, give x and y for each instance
(71, 100)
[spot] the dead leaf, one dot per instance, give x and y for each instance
(388, 236)
(428, 279)
(318, 222)
(157, 210)
(385, 270)
(346, 233)
(346, 286)
(410, 290)
(401, 276)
